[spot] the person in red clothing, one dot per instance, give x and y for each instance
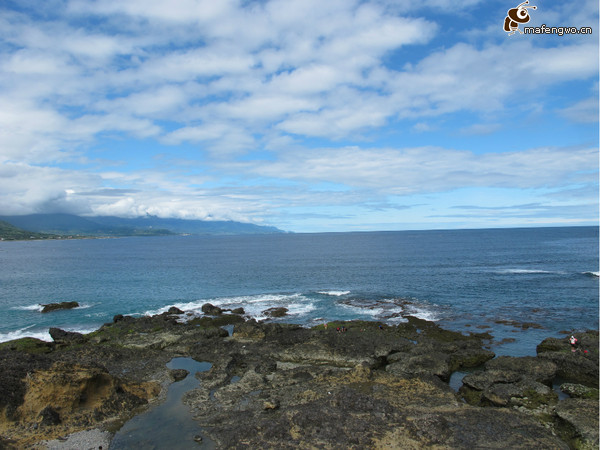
(574, 342)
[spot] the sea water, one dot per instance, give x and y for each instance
(521, 285)
(170, 424)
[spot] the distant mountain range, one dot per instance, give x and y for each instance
(68, 224)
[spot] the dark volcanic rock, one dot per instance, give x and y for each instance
(179, 374)
(578, 367)
(56, 306)
(528, 393)
(578, 422)
(276, 312)
(540, 370)
(430, 363)
(509, 381)
(15, 365)
(579, 391)
(174, 310)
(63, 337)
(248, 330)
(211, 310)
(122, 318)
(49, 416)
(481, 381)
(276, 385)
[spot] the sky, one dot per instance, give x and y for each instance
(311, 116)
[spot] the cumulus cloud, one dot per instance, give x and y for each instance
(267, 97)
(26, 189)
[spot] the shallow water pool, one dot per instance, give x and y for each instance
(170, 424)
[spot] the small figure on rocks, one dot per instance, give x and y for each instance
(574, 343)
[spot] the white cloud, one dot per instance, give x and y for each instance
(466, 78)
(584, 111)
(431, 169)
(26, 189)
(233, 77)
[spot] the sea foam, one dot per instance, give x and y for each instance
(334, 293)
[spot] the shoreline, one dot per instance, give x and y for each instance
(364, 380)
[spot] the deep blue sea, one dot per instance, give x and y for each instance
(468, 280)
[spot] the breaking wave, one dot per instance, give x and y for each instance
(334, 293)
(39, 333)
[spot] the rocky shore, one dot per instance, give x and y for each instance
(272, 385)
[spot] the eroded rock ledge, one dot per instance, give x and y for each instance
(285, 386)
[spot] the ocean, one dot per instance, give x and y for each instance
(521, 285)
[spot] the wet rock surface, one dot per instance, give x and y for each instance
(275, 385)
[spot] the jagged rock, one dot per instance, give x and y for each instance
(211, 310)
(574, 367)
(61, 336)
(578, 422)
(174, 310)
(179, 374)
(506, 387)
(238, 311)
(57, 306)
(275, 312)
(578, 367)
(369, 387)
(122, 318)
(540, 370)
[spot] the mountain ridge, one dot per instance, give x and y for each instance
(70, 224)
(9, 232)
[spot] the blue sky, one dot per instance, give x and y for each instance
(311, 116)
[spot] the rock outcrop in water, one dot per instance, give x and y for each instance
(49, 307)
(284, 386)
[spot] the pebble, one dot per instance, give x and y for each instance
(83, 440)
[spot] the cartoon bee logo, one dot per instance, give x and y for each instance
(517, 16)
